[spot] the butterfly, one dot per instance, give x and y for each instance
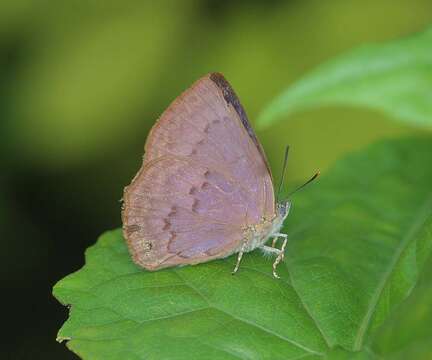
(204, 190)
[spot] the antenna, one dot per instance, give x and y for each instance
(306, 183)
(283, 172)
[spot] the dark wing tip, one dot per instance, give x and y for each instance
(232, 99)
(219, 80)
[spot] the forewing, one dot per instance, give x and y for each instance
(207, 123)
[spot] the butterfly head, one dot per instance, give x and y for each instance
(283, 206)
(283, 209)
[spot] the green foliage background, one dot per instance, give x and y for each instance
(81, 83)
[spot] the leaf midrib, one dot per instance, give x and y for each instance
(422, 216)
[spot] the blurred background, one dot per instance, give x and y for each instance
(82, 82)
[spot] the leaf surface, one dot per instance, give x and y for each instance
(393, 77)
(358, 242)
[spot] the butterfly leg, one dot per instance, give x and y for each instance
(240, 253)
(239, 257)
(281, 254)
(270, 250)
(276, 237)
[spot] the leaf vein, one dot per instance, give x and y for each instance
(422, 216)
(247, 321)
(307, 309)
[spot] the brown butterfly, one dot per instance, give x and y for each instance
(205, 189)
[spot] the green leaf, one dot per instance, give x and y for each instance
(359, 239)
(407, 333)
(393, 77)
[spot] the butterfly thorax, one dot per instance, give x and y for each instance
(257, 235)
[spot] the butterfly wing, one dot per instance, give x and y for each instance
(204, 179)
